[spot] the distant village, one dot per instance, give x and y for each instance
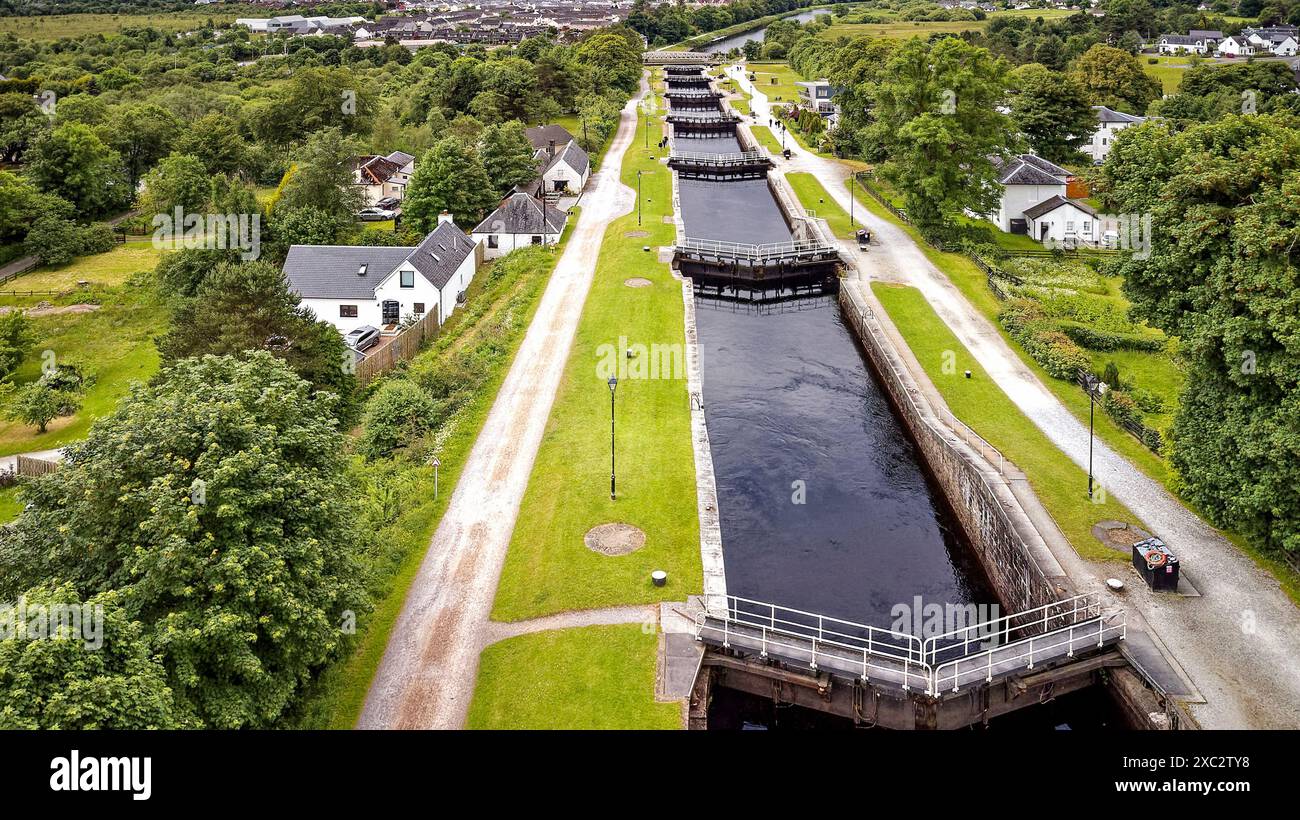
(490, 22)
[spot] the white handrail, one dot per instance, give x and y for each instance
(750, 251)
(1074, 609)
(742, 158)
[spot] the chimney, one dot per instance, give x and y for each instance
(445, 217)
(550, 149)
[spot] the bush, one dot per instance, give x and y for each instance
(1027, 323)
(397, 414)
(56, 241)
(1121, 407)
(1097, 339)
(97, 238)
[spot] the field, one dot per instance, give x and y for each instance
(1168, 70)
(901, 30)
(54, 27)
(548, 568)
(113, 344)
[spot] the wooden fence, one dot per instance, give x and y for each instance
(403, 347)
(33, 467)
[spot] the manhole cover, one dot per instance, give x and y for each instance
(614, 539)
(636, 234)
(637, 282)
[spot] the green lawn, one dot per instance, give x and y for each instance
(766, 138)
(54, 27)
(9, 506)
(902, 29)
(813, 196)
(1168, 70)
(1059, 483)
(548, 568)
(114, 344)
(597, 677)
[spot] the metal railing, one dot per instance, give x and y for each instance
(721, 247)
(796, 633)
(974, 439)
(743, 158)
(1055, 615)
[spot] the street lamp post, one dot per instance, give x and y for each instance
(613, 385)
(1096, 388)
(638, 201)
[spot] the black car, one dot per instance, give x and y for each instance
(389, 203)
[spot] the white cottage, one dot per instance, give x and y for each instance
(354, 285)
(1026, 180)
(381, 177)
(519, 221)
(1063, 221)
(1109, 123)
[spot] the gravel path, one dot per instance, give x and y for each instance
(1240, 640)
(645, 614)
(426, 678)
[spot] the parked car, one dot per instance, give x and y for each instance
(362, 338)
(389, 203)
(374, 214)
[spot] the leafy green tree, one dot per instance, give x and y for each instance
(322, 177)
(217, 500)
(937, 118)
(248, 307)
(398, 413)
(609, 60)
(1114, 78)
(1221, 276)
(1052, 111)
(21, 122)
(57, 241)
(507, 156)
(449, 177)
(142, 133)
(216, 141)
(20, 202)
(69, 682)
(16, 338)
(1139, 162)
(75, 164)
(179, 181)
(39, 403)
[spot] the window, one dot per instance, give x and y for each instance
(418, 308)
(347, 311)
(1069, 226)
(493, 241)
(408, 278)
(1087, 226)
(537, 240)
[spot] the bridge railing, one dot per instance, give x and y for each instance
(980, 667)
(741, 250)
(742, 158)
(1045, 618)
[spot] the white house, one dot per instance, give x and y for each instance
(354, 285)
(1026, 181)
(1184, 44)
(1236, 47)
(381, 177)
(562, 165)
(519, 221)
(1279, 41)
(1109, 123)
(1063, 221)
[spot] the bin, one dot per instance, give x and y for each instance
(1157, 565)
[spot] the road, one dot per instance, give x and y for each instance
(427, 675)
(1240, 640)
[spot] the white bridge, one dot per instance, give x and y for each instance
(721, 160)
(970, 655)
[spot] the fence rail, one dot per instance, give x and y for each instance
(723, 160)
(740, 250)
(403, 347)
(33, 467)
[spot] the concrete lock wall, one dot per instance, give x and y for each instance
(1013, 554)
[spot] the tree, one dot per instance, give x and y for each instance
(19, 201)
(1052, 111)
(69, 682)
(937, 118)
(245, 307)
(450, 177)
(507, 156)
(75, 164)
(39, 403)
(1221, 276)
(322, 176)
(179, 181)
(217, 500)
(21, 122)
(216, 141)
(142, 133)
(16, 338)
(1114, 78)
(397, 414)
(56, 240)
(610, 60)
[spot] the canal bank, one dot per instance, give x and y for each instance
(765, 415)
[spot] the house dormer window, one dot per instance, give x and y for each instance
(408, 279)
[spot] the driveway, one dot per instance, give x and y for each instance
(1240, 640)
(427, 675)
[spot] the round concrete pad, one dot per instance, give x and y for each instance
(1119, 535)
(614, 539)
(637, 282)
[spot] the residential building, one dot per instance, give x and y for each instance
(1279, 41)
(381, 177)
(562, 165)
(1026, 180)
(1062, 221)
(1184, 44)
(817, 94)
(519, 221)
(354, 285)
(1109, 123)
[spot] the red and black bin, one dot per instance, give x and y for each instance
(1157, 564)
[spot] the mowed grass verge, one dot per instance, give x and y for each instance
(548, 568)
(596, 677)
(1059, 483)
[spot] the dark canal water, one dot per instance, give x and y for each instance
(739, 40)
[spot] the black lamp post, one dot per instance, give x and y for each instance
(613, 385)
(1096, 388)
(638, 204)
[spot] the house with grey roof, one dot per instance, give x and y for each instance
(1109, 123)
(519, 221)
(380, 177)
(1063, 222)
(1026, 181)
(354, 285)
(562, 166)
